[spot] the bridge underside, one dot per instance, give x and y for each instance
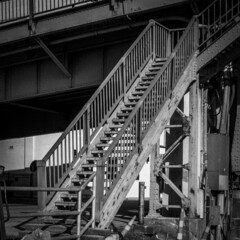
(85, 43)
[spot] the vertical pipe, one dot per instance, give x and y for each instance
(141, 202)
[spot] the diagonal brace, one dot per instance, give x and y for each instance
(53, 57)
(185, 200)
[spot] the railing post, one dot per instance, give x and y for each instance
(31, 17)
(99, 189)
(169, 46)
(153, 39)
(124, 80)
(79, 214)
(139, 130)
(86, 128)
(196, 33)
(41, 182)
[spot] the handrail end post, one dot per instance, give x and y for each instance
(41, 182)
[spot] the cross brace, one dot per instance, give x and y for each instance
(53, 57)
(185, 200)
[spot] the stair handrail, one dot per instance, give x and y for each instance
(215, 19)
(86, 124)
(136, 116)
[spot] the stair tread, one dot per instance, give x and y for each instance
(130, 103)
(105, 139)
(97, 151)
(91, 158)
(154, 69)
(111, 132)
(84, 172)
(117, 120)
(65, 203)
(122, 114)
(88, 165)
(138, 93)
(76, 179)
(160, 59)
(134, 98)
(147, 78)
(69, 195)
(129, 109)
(150, 73)
(102, 145)
(141, 88)
(144, 83)
(114, 126)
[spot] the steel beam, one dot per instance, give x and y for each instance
(220, 62)
(34, 108)
(53, 57)
(73, 19)
(218, 46)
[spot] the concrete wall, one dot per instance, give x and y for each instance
(17, 154)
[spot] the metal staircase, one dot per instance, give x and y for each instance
(104, 148)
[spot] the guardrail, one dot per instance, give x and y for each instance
(216, 20)
(81, 206)
(13, 10)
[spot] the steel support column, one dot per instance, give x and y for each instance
(154, 201)
(195, 194)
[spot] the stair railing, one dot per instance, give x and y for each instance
(74, 141)
(216, 20)
(128, 141)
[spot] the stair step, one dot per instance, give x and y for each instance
(141, 88)
(138, 93)
(106, 139)
(154, 69)
(147, 78)
(111, 132)
(69, 196)
(126, 109)
(88, 165)
(85, 173)
(160, 60)
(97, 152)
(102, 145)
(91, 158)
(145, 83)
(76, 180)
(115, 126)
(65, 204)
(158, 64)
(134, 98)
(150, 73)
(130, 104)
(123, 115)
(118, 120)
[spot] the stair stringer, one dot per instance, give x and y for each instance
(135, 165)
(82, 160)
